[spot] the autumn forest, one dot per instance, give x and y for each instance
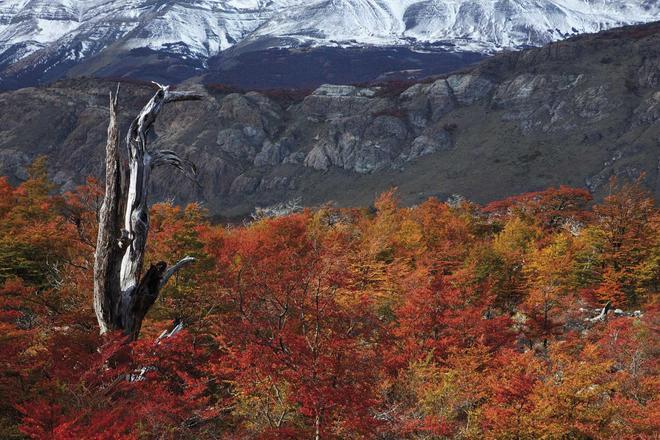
(531, 317)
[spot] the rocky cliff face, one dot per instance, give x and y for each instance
(573, 112)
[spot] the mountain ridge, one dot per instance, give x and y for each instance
(45, 40)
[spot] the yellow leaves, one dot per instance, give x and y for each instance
(432, 387)
(551, 267)
(515, 239)
(409, 236)
(263, 405)
(196, 213)
(454, 390)
(576, 398)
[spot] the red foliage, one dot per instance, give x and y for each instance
(421, 322)
(117, 391)
(550, 207)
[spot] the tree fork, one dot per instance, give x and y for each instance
(122, 295)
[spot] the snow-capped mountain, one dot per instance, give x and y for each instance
(192, 28)
(482, 25)
(40, 35)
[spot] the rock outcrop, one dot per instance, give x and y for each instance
(575, 112)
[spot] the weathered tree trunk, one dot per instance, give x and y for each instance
(107, 257)
(122, 295)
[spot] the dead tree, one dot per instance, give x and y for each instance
(122, 293)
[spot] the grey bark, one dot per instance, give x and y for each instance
(122, 294)
(107, 257)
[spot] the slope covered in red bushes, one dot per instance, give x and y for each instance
(437, 321)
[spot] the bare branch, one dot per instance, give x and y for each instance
(603, 313)
(178, 326)
(174, 269)
(167, 157)
(182, 96)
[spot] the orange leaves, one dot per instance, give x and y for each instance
(628, 223)
(611, 289)
(434, 321)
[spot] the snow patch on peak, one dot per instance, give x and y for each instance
(203, 28)
(485, 25)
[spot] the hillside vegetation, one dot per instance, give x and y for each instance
(444, 320)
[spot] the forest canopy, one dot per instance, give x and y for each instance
(531, 317)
